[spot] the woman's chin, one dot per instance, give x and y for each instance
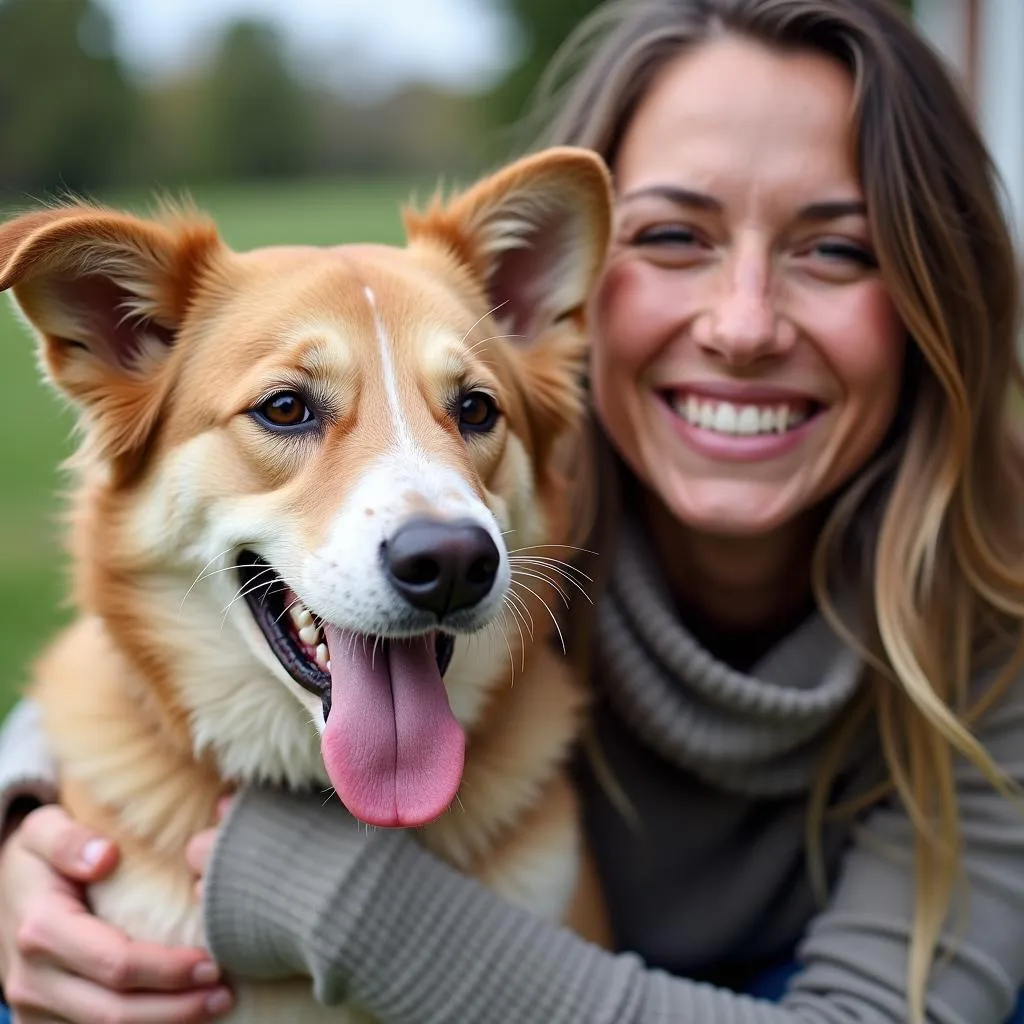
(735, 508)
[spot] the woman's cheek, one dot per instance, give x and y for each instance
(630, 318)
(865, 343)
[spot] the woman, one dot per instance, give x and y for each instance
(807, 664)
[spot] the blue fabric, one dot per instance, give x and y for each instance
(771, 984)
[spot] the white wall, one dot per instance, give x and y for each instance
(944, 22)
(999, 83)
(1001, 94)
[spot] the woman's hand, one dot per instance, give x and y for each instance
(59, 963)
(200, 846)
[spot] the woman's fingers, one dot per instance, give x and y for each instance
(71, 849)
(68, 937)
(70, 1000)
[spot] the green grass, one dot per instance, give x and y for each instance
(35, 428)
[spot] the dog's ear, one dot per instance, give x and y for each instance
(105, 293)
(533, 235)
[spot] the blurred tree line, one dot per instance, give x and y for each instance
(73, 117)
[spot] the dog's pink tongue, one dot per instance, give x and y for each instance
(392, 747)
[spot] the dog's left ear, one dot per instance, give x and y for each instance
(105, 293)
(533, 235)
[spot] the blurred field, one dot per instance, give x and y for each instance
(34, 428)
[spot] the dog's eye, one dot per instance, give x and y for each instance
(478, 412)
(283, 410)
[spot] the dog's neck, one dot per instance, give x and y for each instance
(131, 772)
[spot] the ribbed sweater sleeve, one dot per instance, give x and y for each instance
(27, 768)
(295, 885)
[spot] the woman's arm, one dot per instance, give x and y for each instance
(58, 961)
(28, 774)
(295, 885)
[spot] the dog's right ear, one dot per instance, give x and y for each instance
(533, 235)
(105, 293)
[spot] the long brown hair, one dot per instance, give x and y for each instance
(930, 532)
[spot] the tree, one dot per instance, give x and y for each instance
(254, 117)
(68, 112)
(544, 26)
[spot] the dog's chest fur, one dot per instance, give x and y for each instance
(513, 827)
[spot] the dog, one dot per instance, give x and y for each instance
(314, 532)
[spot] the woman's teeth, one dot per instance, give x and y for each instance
(310, 633)
(739, 418)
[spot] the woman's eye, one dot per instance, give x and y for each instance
(848, 252)
(477, 412)
(285, 410)
(669, 234)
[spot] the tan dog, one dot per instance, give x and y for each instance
(305, 477)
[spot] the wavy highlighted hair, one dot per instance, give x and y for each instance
(932, 529)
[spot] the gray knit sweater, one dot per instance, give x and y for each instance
(706, 884)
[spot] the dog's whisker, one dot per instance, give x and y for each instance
(508, 647)
(551, 565)
(493, 337)
(522, 638)
(480, 320)
(543, 569)
(558, 564)
(558, 629)
(568, 547)
(227, 609)
(550, 582)
(287, 609)
(265, 586)
(266, 583)
(524, 608)
(229, 568)
(202, 571)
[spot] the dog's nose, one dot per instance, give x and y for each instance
(441, 567)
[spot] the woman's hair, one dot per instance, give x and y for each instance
(931, 530)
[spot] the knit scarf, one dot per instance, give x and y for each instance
(760, 734)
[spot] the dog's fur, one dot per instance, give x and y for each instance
(156, 700)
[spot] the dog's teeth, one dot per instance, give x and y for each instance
(321, 657)
(309, 635)
(301, 615)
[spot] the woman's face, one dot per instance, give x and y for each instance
(747, 356)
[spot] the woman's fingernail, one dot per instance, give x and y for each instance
(205, 973)
(93, 851)
(219, 1001)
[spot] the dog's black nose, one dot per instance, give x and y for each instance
(441, 567)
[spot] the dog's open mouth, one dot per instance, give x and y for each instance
(297, 639)
(391, 745)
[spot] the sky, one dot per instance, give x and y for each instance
(357, 46)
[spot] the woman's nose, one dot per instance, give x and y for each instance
(743, 321)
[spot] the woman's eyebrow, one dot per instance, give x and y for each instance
(813, 212)
(835, 210)
(674, 194)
